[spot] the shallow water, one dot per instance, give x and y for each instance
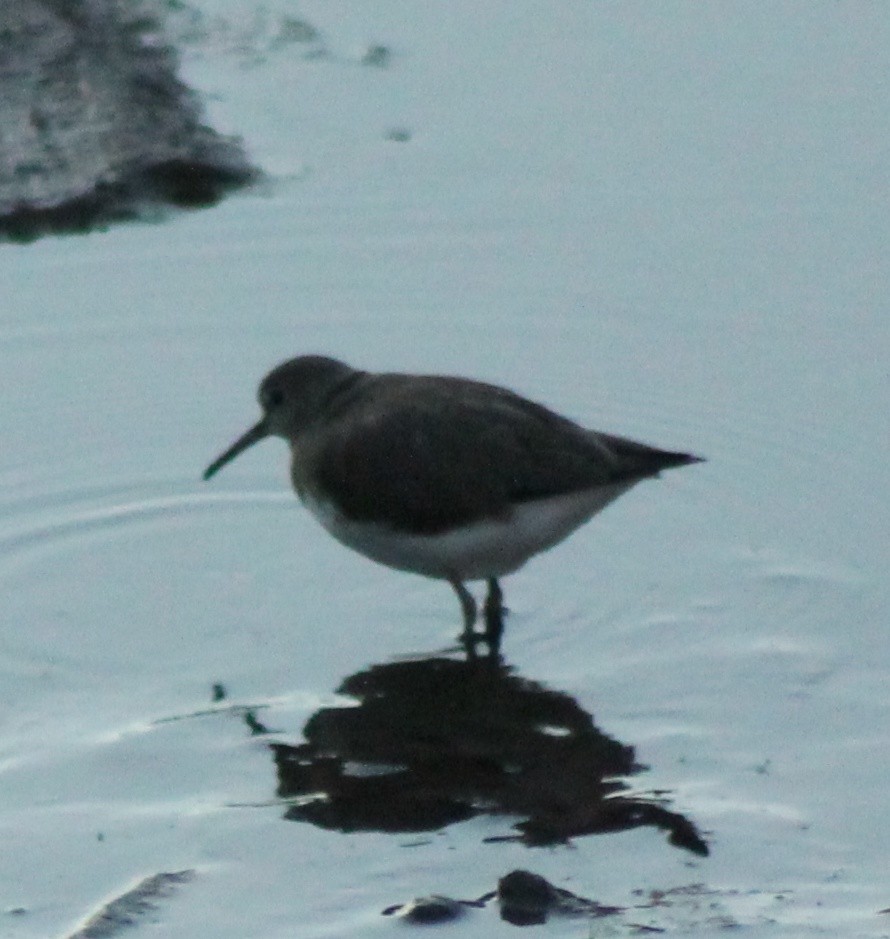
(665, 222)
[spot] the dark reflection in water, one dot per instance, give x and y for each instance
(438, 740)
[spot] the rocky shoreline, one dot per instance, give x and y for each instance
(95, 125)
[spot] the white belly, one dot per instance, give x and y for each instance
(486, 549)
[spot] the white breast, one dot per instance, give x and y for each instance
(491, 548)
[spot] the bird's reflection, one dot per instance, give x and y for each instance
(438, 740)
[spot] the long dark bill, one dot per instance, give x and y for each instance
(254, 435)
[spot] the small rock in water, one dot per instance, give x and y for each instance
(426, 910)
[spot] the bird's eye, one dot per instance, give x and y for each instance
(272, 398)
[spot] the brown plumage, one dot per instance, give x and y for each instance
(447, 477)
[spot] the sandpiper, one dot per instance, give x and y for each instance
(447, 477)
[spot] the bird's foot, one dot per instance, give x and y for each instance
(493, 614)
(493, 617)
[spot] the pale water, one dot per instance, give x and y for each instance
(667, 221)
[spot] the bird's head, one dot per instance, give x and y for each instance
(291, 396)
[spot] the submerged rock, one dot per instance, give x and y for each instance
(528, 899)
(131, 907)
(523, 898)
(425, 911)
(94, 124)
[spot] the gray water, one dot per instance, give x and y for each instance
(666, 221)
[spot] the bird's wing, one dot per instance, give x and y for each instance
(435, 460)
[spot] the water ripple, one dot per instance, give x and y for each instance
(38, 520)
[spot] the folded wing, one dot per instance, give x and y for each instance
(471, 454)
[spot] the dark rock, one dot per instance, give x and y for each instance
(428, 910)
(528, 899)
(94, 124)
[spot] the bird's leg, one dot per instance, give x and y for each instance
(494, 614)
(467, 605)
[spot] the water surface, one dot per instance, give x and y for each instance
(666, 222)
